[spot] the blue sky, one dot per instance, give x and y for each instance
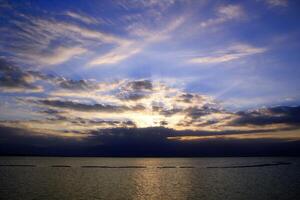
(179, 64)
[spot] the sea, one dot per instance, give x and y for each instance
(85, 178)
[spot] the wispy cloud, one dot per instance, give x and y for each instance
(81, 17)
(275, 3)
(146, 3)
(231, 53)
(58, 55)
(147, 38)
(224, 14)
(52, 42)
(114, 57)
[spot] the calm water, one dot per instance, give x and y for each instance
(149, 178)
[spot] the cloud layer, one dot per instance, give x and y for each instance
(175, 76)
(55, 108)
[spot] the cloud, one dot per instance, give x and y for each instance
(140, 85)
(144, 142)
(70, 84)
(15, 79)
(128, 49)
(75, 31)
(187, 98)
(100, 122)
(195, 112)
(147, 4)
(268, 116)
(81, 17)
(88, 107)
(57, 40)
(277, 3)
(259, 135)
(231, 53)
(151, 102)
(58, 55)
(12, 79)
(224, 14)
(114, 57)
(51, 42)
(143, 102)
(137, 103)
(136, 90)
(151, 116)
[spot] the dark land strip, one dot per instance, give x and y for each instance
(248, 166)
(17, 165)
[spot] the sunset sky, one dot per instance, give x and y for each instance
(152, 73)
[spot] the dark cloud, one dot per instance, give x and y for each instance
(135, 90)
(13, 78)
(197, 112)
(187, 98)
(197, 122)
(51, 111)
(166, 112)
(54, 115)
(132, 96)
(70, 84)
(14, 135)
(140, 85)
(129, 123)
(137, 142)
(17, 141)
(194, 112)
(145, 136)
(164, 123)
(87, 122)
(267, 116)
(88, 107)
(170, 112)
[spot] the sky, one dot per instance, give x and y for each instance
(150, 77)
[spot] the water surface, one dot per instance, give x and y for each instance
(149, 178)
